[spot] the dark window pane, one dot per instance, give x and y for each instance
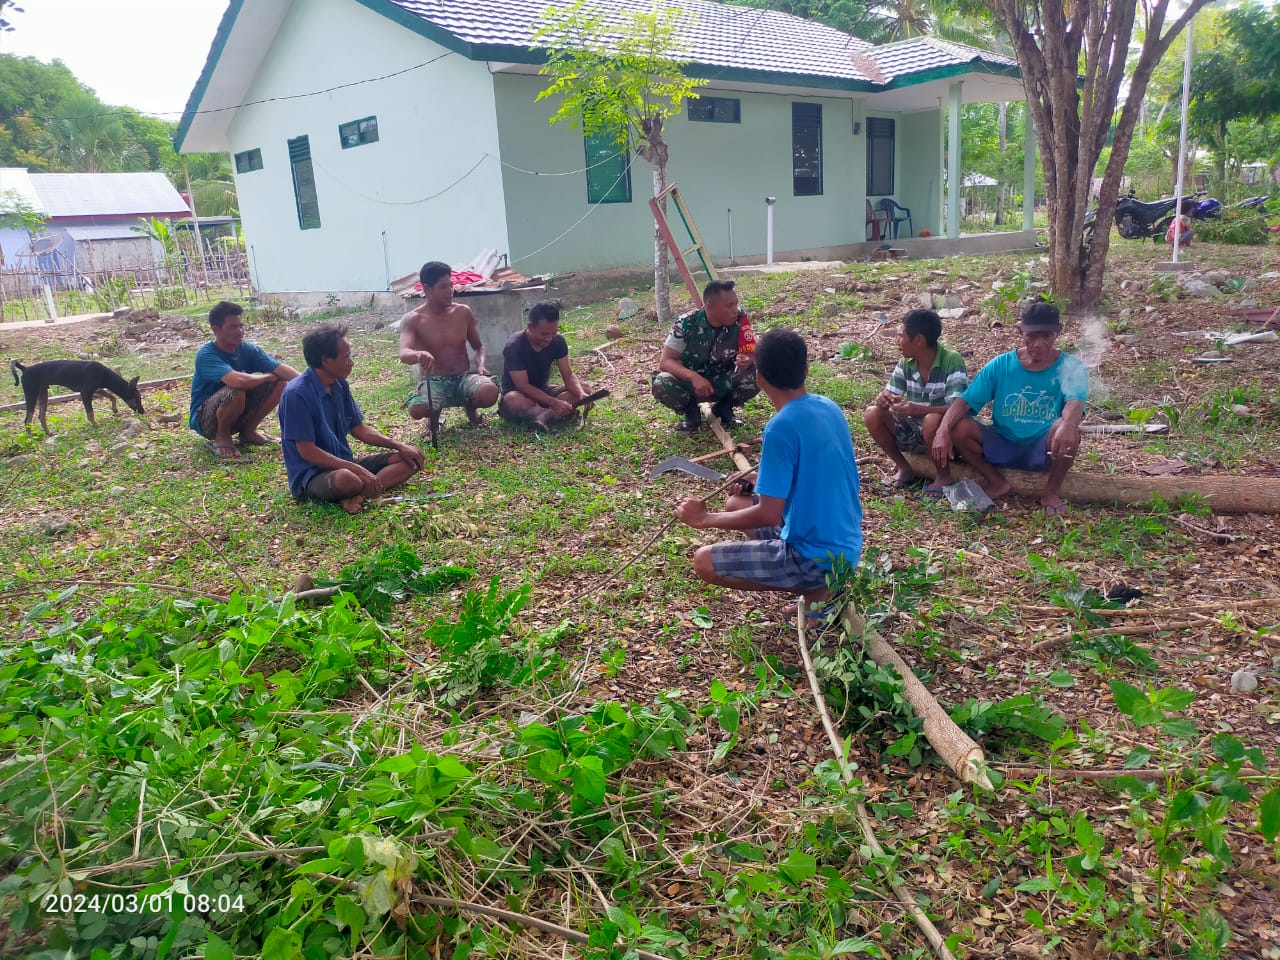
(806, 149)
(249, 161)
(608, 169)
(716, 110)
(880, 148)
(304, 183)
(357, 132)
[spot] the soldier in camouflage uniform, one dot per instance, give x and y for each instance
(702, 360)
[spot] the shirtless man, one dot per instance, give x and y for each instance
(434, 337)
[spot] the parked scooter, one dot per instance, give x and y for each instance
(1137, 220)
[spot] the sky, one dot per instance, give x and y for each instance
(145, 54)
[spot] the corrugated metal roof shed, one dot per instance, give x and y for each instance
(107, 194)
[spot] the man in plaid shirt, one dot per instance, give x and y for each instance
(924, 383)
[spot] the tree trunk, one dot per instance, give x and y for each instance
(654, 149)
(1223, 494)
(1056, 45)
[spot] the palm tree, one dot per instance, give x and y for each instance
(83, 136)
(207, 179)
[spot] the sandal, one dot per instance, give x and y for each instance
(223, 452)
(261, 440)
(933, 493)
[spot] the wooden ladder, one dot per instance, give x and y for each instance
(681, 256)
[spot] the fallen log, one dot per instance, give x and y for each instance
(68, 397)
(957, 748)
(899, 888)
(1223, 494)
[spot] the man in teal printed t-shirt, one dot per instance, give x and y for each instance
(1037, 395)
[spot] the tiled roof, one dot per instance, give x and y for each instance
(742, 38)
(106, 194)
(919, 54)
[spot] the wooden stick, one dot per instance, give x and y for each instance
(68, 397)
(864, 820)
(1224, 494)
(1141, 631)
(519, 919)
(1066, 773)
(957, 748)
(726, 441)
(1218, 607)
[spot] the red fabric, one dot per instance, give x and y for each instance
(461, 278)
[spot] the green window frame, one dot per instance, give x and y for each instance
(249, 160)
(881, 142)
(304, 183)
(806, 149)
(715, 110)
(358, 132)
(608, 168)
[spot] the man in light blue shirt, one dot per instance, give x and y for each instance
(805, 515)
(1037, 395)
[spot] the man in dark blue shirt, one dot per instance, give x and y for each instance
(317, 412)
(527, 394)
(235, 384)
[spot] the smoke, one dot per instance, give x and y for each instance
(1091, 350)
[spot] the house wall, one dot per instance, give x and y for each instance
(379, 218)
(919, 162)
(718, 166)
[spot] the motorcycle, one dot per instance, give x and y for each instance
(1137, 220)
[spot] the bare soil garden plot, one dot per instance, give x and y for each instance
(737, 839)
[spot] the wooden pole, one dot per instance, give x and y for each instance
(726, 441)
(905, 896)
(68, 397)
(1224, 494)
(956, 747)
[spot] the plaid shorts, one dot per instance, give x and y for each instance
(320, 487)
(458, 390)
(908, 433)
(254, 401)
(768, 560)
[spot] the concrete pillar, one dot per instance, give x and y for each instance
(955, 177)
(1029, 173)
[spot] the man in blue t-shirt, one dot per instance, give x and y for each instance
(805, 514)
(317, 412)
(235, 385)
(1037, 395)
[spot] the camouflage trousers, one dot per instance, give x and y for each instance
(736, 385)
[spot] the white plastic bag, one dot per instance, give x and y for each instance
(967, 497)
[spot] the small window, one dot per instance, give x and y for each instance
(806, 149)
(880, 147)
(358, 132)
(716, 110)
(304, 184)
(608, 169)
(249, 161)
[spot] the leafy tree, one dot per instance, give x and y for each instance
(1074, 60)
(30, 91)
(84, 136)
(1237, 76)
(621, 75)
(207, 180)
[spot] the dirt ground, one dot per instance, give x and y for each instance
(1001, 631)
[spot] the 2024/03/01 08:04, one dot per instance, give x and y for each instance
(118, 903)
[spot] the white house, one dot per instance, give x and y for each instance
(371, 135)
